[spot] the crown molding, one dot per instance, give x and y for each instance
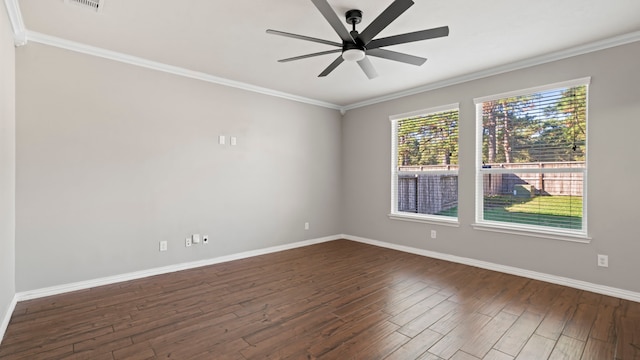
(17, 25)
(538, 60)
(175, 70)
(22, 35)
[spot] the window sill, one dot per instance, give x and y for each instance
(446, 221)
(516, 230)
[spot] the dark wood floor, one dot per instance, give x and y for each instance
(337, 300)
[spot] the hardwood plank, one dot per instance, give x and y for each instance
(628, 346)
(361, 342)
(480, 343)
(416, 346)
(536, 348)
(403, 303)
(517, 336)
(420, 308)
(560, 312)
(579, 326)
(426, 319)
(603, 327)
(353, 326)
(429, 356)
(461, 355)
(494, 354)
(509, 289)
(567, 349)
(453, 341)
(598, 350)
(521, 301)
(138, 351)
(387, 345)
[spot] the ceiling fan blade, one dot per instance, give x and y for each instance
(302, 37)
(367, 67)
(330, 15)
(409, 37)
(383, 20)
(396, 56)
(310, 55)
(332, 66)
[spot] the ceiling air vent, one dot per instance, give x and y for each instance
(94, 5)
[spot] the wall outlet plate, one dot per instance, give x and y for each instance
(434, 234)
(163, 245)
(187, 242)
(195, 238)
(205, 239)
(603, 260)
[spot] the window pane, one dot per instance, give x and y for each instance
(541, 199)
(427, 164)
(533, 154)
(428, 194)
(428, 140)
(548, 126)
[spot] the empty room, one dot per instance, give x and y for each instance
(319, 179)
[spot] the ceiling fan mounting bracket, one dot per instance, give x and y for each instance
(353, 16)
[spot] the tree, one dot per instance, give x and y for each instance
(541, 127)
(428, 140)
(562, 134)
(503, 119)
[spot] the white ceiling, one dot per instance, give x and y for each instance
(227, 39)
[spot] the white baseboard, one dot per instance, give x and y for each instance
(577, 284)
(82, 285)
(7, 317)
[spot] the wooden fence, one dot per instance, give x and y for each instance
(427, 194)
(542, 183)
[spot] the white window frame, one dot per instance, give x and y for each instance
(581, 235)
(424, 218)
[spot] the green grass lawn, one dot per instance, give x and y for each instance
(553, 211)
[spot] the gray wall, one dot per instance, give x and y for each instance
(7, 164)
(614, 176)
(114, 158)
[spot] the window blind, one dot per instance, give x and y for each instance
(532, 158)
(425, 164)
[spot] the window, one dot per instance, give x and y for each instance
(425, 165)
(532, 160)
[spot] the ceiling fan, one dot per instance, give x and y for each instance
(356, 46)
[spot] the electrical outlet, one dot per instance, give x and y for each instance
(205, 239)
(163, 246)
(433, 234)
(306, 226)
(603, 260)
(187, 242)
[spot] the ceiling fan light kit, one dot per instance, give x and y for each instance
(353, 54)
(356, 47)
